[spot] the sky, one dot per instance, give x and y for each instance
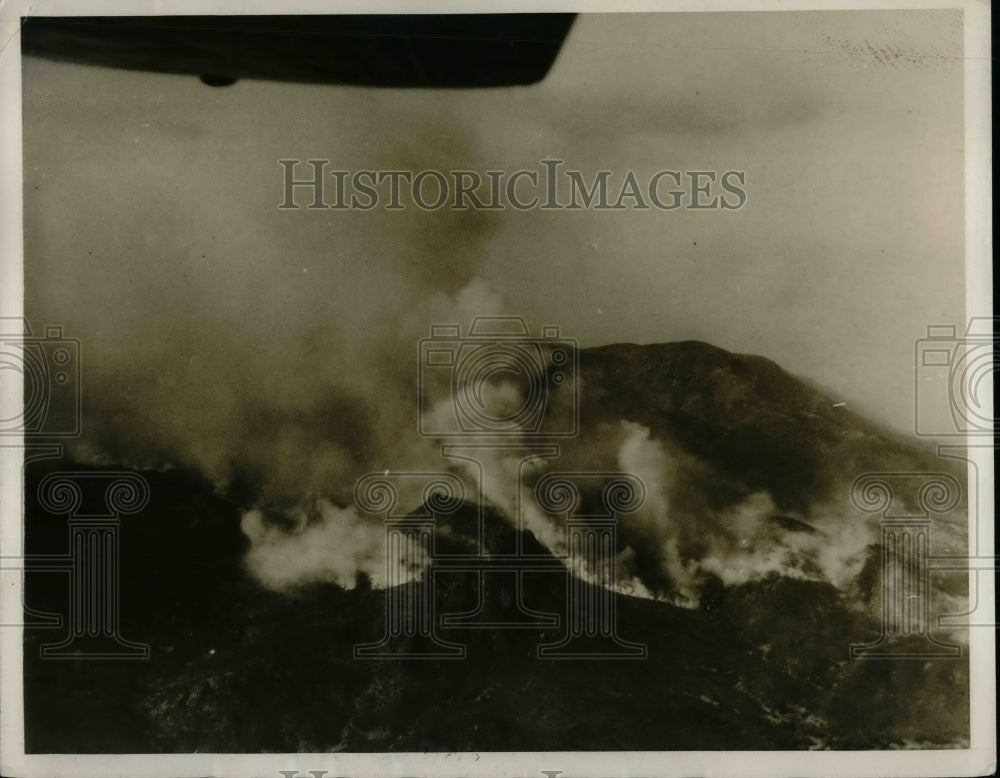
(153, 233)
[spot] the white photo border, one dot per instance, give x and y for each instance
(979, 759)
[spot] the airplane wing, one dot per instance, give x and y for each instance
(457, 50)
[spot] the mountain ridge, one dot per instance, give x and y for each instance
(763, 424)
(761, 663)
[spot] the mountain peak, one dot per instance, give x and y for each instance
(744, 413)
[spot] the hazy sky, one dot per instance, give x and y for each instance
(152, 228)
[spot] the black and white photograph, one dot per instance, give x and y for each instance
(496, 391)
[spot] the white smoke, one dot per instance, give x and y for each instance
(334, 545)
(747, 541)
(744, 542)
(649, 460)
(749, 549)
